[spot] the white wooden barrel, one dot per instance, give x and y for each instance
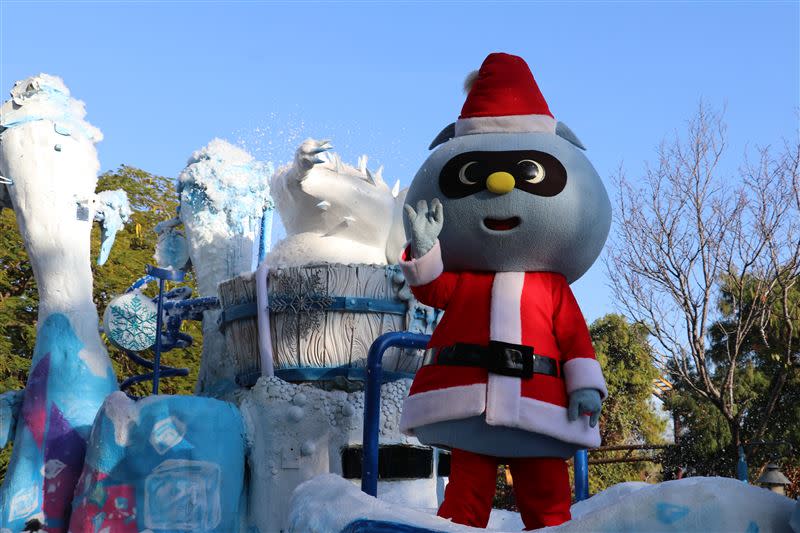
(323, 316)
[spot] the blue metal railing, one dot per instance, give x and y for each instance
(372, 400)
(581, 466)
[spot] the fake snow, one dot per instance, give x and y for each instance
(702, 504)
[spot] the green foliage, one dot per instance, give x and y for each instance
(153, 199)
(707, 444)
(629, 414)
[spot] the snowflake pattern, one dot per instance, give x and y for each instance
(131, 322)
(304, 297)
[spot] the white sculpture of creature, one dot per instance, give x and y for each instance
(49, 165)
(334, 212)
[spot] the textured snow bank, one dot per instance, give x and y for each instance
(329, 503)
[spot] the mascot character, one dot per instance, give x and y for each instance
(508, 211)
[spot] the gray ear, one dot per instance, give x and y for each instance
(445, 135)
(563, 131)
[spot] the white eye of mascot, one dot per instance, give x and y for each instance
(505, 213)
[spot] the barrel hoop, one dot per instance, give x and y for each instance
(237, 312)
(296, 374)
(349, 304)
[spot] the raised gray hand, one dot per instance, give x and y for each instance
(584, 401)
(307, 155)
(426, 224)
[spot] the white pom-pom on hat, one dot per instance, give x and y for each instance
(469, 81)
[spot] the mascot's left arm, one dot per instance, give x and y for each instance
(583, 375)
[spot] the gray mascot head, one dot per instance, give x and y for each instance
(517, 190)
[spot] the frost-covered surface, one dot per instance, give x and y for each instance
(334, 212)
(164, 463)
(224, 193)
(113, 212)
(46, 98)
(702, 504)
(49, 164)
(296, 432)
(172, 250)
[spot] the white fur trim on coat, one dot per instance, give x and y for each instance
(503, 400)
(549, 419)
(505, 319)
(506, 124)
(442, 404)
(584, 373)
(423, 270)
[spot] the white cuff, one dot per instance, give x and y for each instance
(422, 270)
(584, 373)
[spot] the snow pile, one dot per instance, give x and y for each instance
(702, 504)
(45, 97)
(334, 212)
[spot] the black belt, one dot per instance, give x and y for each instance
(503, 358)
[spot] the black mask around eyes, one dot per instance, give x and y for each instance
(534, 172)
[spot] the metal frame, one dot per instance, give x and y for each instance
(372, 400)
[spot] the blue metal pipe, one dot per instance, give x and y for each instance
(741, 465)
(581, 475)
(372, 400)
(157, 348)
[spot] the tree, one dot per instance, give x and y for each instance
(704, 262)
(706, 443)
(629, 415)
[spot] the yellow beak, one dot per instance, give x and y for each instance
(500, 182)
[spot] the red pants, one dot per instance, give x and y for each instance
(541, 488)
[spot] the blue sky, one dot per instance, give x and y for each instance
(161, 79)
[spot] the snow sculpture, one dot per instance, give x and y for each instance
(49, 167)
(164, 463)
(334, 212)
(224, 195)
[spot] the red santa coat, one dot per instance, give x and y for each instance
(536, 309)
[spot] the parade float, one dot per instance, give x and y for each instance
(297, 408)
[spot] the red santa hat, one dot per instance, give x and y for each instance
(503, 98)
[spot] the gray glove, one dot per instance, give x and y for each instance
(426, 224)
(585, 401)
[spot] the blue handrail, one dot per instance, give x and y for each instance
(581, 466)
(372, 400)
